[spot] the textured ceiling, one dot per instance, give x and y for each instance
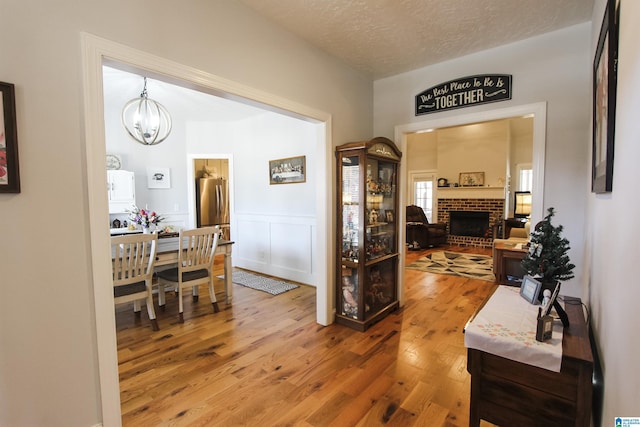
(387, 37)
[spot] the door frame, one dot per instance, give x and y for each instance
(539, 112)
(96, 52)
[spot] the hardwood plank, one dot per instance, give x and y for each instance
(264, 360)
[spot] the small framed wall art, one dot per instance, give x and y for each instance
(471, 179)
(9, 170)
(287, 171)
(158, 177)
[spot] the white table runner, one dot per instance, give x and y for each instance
(506, 327)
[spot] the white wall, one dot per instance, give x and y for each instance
(48, 362)
(424, 151)
(474, 148)
(611, 234)
(272, 225)
(554, 68)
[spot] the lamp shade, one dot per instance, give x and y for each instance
(522, 206)
(147, 121)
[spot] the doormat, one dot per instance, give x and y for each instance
(260, 283)
(472, 266)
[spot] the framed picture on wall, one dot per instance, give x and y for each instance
(158, 177)
(604, 101)
(9, 171)
(471, 179)
(287, 171)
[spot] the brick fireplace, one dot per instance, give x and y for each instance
(494, 207)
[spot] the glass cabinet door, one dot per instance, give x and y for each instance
(350, 208)
(349, 298)
(380, 215)
(380, 287)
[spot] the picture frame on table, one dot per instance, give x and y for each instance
(158, 177)
(604, 101)
(471, 179)
(9, 166)
(290, 170)
(530, 289)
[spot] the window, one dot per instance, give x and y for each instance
(525, 177)
(423, 196)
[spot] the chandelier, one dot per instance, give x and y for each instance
(146, 120)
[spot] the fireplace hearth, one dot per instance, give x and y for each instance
(469, 223)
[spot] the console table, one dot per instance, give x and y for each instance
(507, 392)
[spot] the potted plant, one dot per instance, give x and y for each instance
(547, 259)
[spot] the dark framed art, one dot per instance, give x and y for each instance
(287, 171)
(604, 101)
(9, 172)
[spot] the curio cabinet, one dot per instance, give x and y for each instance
(367, 264)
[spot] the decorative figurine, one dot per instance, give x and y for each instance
(373, 216)
(349, 294)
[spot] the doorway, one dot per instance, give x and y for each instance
(536, 111)
(214, 210)
(96, 53)
(539, 113)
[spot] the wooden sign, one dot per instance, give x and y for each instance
(464, 92)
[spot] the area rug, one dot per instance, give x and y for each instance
(471, 266)
(260, 283)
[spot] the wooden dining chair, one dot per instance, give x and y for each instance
(195, 266)
(133, 257)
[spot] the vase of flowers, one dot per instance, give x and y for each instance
(144, 218)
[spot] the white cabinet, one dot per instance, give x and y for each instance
(121, 187)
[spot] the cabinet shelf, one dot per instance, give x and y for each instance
(380, 258)
(367, 273)
(377, 224)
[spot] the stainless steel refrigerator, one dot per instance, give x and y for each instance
(212, 203)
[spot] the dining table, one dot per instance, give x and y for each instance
(167, 257)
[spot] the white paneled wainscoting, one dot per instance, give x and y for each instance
(278, 245)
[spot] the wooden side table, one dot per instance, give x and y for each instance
(506, 264)
(510, 393)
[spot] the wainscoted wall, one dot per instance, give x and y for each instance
(176, 219)
(277, 245)
(495, 207)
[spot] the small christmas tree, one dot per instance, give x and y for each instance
(547, 259)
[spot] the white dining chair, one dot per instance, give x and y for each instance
(196, 253)
(133, 257)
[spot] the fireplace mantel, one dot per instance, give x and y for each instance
(471, 193)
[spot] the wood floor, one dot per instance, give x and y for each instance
(265, 361)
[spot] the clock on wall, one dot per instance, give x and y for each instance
(443, 182)
(113, 162)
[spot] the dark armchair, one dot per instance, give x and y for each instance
(421, 234)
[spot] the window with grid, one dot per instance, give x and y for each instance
(423, 196)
